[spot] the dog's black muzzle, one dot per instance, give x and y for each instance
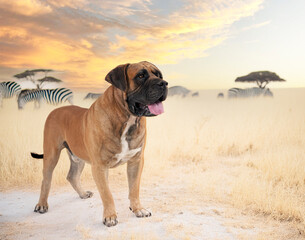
(151, 92)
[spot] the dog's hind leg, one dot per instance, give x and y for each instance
(76, 168)
(50, 160)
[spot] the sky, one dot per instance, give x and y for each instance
(199, 44)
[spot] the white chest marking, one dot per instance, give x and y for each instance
(126, 153)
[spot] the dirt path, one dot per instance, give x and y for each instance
(175, 216)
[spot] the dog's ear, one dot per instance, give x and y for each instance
(118, 77)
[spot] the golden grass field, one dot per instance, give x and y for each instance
(248, 154)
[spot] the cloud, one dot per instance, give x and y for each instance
(26, 7)
(258, 25)
(85, 39)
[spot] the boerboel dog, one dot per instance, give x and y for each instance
(111, 132)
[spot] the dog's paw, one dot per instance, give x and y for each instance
(41, 208)
(87, 194)
(110, 221)
(141, 212)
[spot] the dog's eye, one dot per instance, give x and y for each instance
(141, 76)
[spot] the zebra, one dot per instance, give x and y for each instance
(268, 93)
(93, 95)
(8, 90)
(195, 94)
(249, 92)
(220, 95)
(51, 96)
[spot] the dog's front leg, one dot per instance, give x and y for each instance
(100, 175)
(134, 171)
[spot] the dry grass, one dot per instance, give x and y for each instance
(248, 153)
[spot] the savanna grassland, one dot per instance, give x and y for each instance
(248, 155)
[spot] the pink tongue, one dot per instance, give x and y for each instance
(156, 108)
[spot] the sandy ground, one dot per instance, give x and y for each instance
(231, 170)
(174, 216)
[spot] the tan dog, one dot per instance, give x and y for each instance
(111, 132)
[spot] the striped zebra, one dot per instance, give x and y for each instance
(249, 92)
(8, 90)
(51, 96)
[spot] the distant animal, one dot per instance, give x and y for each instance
(248, 92)
(93, 95)
(220, 95)
(178, 91)
(51, 96)
(268, 93)
(195, 94)
(8, 90)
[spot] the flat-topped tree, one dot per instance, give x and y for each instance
(261, 78)
(42, 70)
(30, 74)
(48, 79)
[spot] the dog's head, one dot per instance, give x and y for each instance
(144, 87)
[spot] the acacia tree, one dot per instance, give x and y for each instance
(45, 71)
(261, 78)
(48, 79)
(30, 75)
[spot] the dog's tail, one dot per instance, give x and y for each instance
(35, 155)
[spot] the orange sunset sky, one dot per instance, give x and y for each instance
(200, 44)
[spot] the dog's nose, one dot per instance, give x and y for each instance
(163, 84)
